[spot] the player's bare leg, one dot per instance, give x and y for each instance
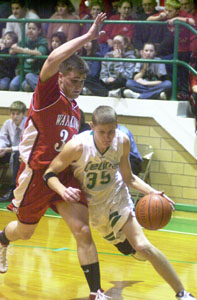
(77, 218)
(15, 230)
(140, 243)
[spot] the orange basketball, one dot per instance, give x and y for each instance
(153, 211)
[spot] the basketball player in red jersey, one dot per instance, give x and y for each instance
(53, 119)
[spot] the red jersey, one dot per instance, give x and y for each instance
(111, 30)
(51, 122)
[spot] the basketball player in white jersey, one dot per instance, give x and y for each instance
(100, 162)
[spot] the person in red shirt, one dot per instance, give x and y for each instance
(53, 119)
(112, 30)
(172, 13)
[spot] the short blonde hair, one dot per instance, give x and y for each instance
(18, 106)
(173, 3)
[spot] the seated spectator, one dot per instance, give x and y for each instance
(159, 35)
(7, 64)
(91, 49)
(150, 79)
(57, 39)
(10, 134)
(64, 11)
(172, 13)
(112, 30)
(114, 74)
(35, 44)
(19, 11)
(134, 155)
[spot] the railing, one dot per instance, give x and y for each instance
(175, 61)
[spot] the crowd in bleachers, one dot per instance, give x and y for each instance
(125, 40)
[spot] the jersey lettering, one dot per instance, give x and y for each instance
(64, 135)
(92, 178)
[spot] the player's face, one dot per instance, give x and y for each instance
(72, 83)
(103, 135)
(17, 117)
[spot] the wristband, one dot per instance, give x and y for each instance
(47, 176)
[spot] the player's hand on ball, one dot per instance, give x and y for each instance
(172, 203)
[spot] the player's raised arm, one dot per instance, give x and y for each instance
(51, 65)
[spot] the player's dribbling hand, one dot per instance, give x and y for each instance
(71, 194)
(172, 203)
(94, 30)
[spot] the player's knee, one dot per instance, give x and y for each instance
(82, 234)
(125, 248)
(147, 250)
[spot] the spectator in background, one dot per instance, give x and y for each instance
(172, 13)
(150, 79)
(64, 11)
(91, 49)
(112, 30)
(84, 8)
(94, 8)
(19, 11)
(157, 34)
(7, 64)
(35, 44)
(10, 134)
(134, 155)
(114, 74)
(57, 39)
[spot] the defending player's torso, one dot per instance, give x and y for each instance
(98, 173)
(48, 129)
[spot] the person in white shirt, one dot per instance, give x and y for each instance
(10, 134)
(19, 11)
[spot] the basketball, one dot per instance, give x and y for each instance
(153, 211)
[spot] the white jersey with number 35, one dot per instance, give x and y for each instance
(98, 173)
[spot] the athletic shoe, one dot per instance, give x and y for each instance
(183, 295)
(130, 94)
(163, 96)
(12, 207)
(3, 258)
(115, 93)
(99, 295)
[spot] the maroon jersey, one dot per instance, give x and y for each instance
(52, 121)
